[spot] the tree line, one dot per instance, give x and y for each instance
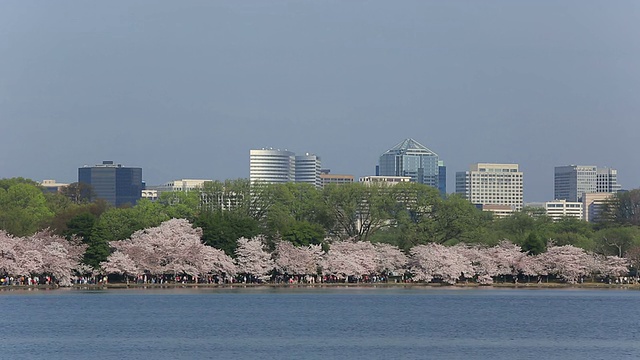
(174, 252)
(405, 215)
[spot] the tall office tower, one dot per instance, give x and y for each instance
(492, 184)
(117, 184)
(412, 159)
(571, 181)
(307, 169)
(271, 166)
(607, 180)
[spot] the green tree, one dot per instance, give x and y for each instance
(79, 192)
(222, 229)
(23, 207)
(617, 240)
(573, 231)
(534, 244)
(82, 226)
(357, 210)
(456, 220)
(623, 209)
(181, 204)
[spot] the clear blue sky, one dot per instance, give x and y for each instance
(185, 88)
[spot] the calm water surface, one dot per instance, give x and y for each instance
(321, 323)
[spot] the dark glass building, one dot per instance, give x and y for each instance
(116, 184)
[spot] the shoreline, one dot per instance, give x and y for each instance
(122, 286)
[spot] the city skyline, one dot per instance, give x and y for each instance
(184, 90)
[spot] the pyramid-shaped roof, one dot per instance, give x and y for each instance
(410, 146)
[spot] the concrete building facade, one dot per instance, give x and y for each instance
(492, 184)
(559, 209)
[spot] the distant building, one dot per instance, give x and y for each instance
(51, 186)
(281, 166)
(384, 180)
(593, 205)
(571, 181)
(500, 211)
(559, 209)
(492, 184)
(116, 184)
(150, 194)
(412, 159)
(327, 178)
(184, 185)
(607, 180)
(272, 166)
(307, 169)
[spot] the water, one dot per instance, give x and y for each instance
(321, 323)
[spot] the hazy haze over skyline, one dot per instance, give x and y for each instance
(186, 89)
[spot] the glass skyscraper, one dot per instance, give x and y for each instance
(412, 159)
(116, 184)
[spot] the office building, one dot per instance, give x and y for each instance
(150, 194)
(559, 209)
(384, 180)
(327, 178)
(607, 180)
(184, 185)
(492, 184)
(593, 205)
(116, 184)
(51, 186)
(571, 181)
(272, 166)
(412, 159)
(307, 169)
(281, 166)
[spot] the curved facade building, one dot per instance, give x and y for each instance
(271, 166)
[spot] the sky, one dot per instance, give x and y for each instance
(184, 89)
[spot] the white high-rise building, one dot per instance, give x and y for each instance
(492, 184)
(271, 166)
(307, 169)
(281, 166)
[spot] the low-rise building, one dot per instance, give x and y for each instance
(559, 209)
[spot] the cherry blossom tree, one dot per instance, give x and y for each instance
(348, 258)
(293, 260)
(567, 262)
(438, 261)
(483, 263)
(252, 257)
(173, 247)
(40, 254)
(120, 263)
(8, 256)
(389, 259)
(614, 266)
